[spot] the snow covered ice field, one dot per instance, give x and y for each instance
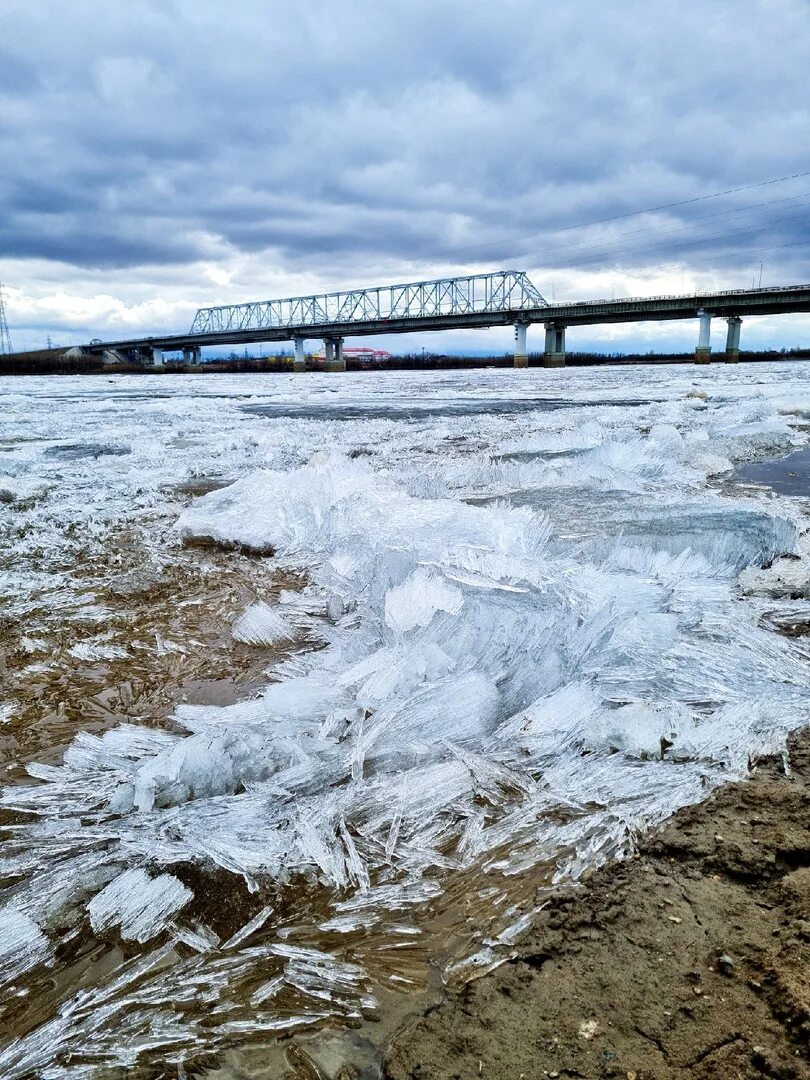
(519, 639)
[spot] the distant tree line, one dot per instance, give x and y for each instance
(60, 362)
(50, 362)
(416, 361)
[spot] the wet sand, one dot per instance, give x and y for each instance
(691, 960)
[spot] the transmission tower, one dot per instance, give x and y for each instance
(5, 337)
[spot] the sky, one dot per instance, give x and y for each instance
(162, 155)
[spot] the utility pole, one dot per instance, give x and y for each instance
(5, 338)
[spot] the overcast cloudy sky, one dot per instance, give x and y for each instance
(160, 155)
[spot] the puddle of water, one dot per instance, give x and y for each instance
(404, 971)
(417, 410)
(194, 488)
(525, 456)
(786, 476)
(76, 451)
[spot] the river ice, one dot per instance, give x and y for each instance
(531, 647)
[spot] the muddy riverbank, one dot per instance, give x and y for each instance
(692, 959)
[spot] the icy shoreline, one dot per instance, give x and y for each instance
(531, 654)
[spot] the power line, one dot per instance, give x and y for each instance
(583, 246)
(601, 255)
(629, 214)
(750, 259)
(5, 337)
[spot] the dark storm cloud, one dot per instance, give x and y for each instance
(97, 246)
(169, 132)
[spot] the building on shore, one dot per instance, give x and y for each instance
(359, 355)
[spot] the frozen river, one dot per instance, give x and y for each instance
(313, 686)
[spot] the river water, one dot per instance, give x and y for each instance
(314, 686)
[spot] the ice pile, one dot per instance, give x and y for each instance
(523, 662)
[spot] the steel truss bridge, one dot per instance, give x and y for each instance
(502, 298)
(507, 290)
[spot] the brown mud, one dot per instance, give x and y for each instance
(166, 628)
(690, 960)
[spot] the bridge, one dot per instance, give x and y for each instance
(503, 298)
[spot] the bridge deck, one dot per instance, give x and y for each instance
(742, 302)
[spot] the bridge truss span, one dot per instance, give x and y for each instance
(502, 291)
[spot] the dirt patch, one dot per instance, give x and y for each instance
(156, 633)
(691, 960)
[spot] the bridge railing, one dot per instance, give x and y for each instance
(505, 290)
(613, 301)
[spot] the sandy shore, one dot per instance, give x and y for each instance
(692, 959)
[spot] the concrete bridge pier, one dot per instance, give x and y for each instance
(733, 339)
(299, 360)
(335, 360)
(521, 356)
(191, 354)
(554, 355)
(150, 356)
(703, 352)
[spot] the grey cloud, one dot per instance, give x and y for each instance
(328, 135)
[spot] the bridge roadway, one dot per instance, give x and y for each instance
(239, 324)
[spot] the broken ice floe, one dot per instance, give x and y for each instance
(504, 687)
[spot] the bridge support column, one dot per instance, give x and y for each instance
(554, 355)
(335, 360)
(521, 356)
(703, 352)
(191, 354)
(299, 360)
(733, 339)
(154, 357)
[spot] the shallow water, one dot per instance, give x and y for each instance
(502, 637)
(787, 475)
